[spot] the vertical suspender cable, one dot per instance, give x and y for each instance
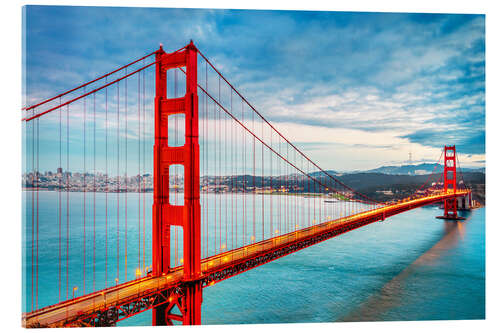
(144, 169)
(296, 191)
(126, 174)
(94, 195)
(320, 193)
(118, 180)
(215, 178)
(33, 184)
(238, 191)
(59, 195)
(106, 190)
(220, 173)
(287, 197)
(202, 170)
(37, 199)
(204, 238)
(309, 199)
(279, 187)
(225, 177)
(84, 179)
(244, 177)
(271, 187)
(206, 159)
(303, 196)
(67, 202)
(232, 174)
(314, 202)
(262, 173)
(254, 174)
(139, 183)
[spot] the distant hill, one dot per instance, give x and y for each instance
(417, 169)
(374, 184)
(411, 170)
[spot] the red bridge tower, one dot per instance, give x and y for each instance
(165, 214)
(450, 178)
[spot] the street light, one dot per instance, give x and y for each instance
(117, 291)
(74, 289)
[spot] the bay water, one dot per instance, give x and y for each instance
(409, 267)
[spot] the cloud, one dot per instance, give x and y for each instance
(383, 80)
(466, 142)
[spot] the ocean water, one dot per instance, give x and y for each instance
(410, 267)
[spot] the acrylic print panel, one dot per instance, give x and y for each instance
(195, 166)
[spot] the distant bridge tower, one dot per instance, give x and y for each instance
(450, 183)
(450, 178)
(165, 214)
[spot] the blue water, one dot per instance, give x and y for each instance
(409, 267)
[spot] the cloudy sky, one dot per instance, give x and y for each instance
(353, 90)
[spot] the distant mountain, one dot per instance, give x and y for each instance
(330, 172)
(417, 169)
(412, 170)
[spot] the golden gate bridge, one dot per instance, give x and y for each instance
(230, 193)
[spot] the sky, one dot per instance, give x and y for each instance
(354, 91)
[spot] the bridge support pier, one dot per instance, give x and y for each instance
(160, 315)
(464, 203)
(186, 301)
(193, 299)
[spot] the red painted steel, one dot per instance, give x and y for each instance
(165, 214)
(450, 166)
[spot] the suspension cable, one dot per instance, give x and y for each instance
(279, 133)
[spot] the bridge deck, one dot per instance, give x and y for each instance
(217, 268)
